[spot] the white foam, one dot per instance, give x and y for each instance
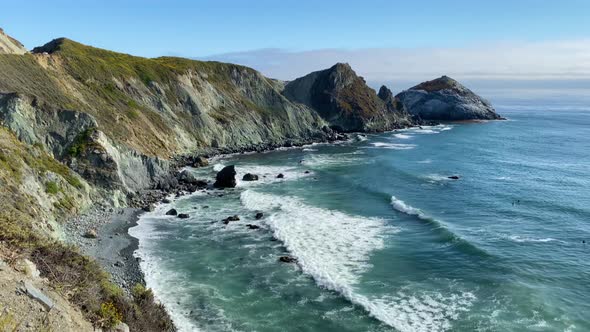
(159, 278)
(521, 239)
(433, 178)
(401, 206)
(340, 159)
(393, 146)
(402, 136)
(309, 149)
(268, 174)
(334, 248)
(425, 161)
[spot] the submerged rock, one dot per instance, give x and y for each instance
(259, 215)
(250, 177)
(172, 212)
(453, 177)
(226, 178)
(183, 216)
(280, 176)
(232, 218)
(251, 226)
(287, 259)
(445, 99)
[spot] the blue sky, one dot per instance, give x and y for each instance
(385, 41)
(201, 28)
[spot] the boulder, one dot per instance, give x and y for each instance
(280, 176)
(183, 216)
(250, 177)
(259, 215)
(200, 162)
(37, 295)
(166, 201)
(90, 234)
(172, 212)
(287, 259)
(121, 327)
(226, 178)
(187, 176)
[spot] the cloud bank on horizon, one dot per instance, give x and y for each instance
(550, 61)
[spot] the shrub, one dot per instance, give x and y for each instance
(110, 315)
(51, 187)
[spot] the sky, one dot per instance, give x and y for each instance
(394, 42)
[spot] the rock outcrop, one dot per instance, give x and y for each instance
(445, 99)
(345, 101)
(226, 178)
(9, 45)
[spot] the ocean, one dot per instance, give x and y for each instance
(384, 240)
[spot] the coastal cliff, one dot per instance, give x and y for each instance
(344, 100)
(84, 128)
(444, 99)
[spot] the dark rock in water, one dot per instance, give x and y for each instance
(445, 99)
(166, 201)
(280, 176)
(226, 178)
(250, 177)
(259, 215)
(454, 177)
(250, 226)
(206, 207)
(183, 216)
(232, 218)
(172, 212)
(306, 172)
(287, 259)
(119, 264)
(149, 208)
(90, 234)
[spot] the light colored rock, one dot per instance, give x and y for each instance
(37, 295)
(444, 99)
(31, 269)
(121, 327)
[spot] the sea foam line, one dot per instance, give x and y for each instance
(334, 248)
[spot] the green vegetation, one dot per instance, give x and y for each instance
(51, 187)
(82, 142)
(109, 315)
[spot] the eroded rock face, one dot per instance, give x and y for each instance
(345, 101)
(445, 99)
(9, 45)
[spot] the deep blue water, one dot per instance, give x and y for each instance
(384, 240)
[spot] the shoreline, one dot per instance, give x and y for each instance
(113, 246)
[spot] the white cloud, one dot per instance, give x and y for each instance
(552, 60)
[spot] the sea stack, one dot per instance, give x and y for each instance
(444, 99)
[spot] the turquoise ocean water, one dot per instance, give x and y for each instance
(384, 240)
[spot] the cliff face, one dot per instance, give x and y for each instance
(344, 100)
(445, 99)
(142, 111)
(9, 45)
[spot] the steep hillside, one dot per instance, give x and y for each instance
(9, 45)
(345, 101)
